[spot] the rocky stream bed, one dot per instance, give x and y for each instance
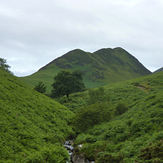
(74, 157)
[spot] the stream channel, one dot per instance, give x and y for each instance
(75, 158)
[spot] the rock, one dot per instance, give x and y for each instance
(78, 158)
(80, 146)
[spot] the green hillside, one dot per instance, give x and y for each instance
(100, 68)
(32, 126)
(120, 122)
(124, 124)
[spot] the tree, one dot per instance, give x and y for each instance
(66, 82)
(40, 87)
(4, 66)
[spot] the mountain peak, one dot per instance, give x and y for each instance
(101, 67)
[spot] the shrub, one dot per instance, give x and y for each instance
(121, 108)
(91, 115)
(40, 87)
(96, 95)
(152, 153)
(107, 157)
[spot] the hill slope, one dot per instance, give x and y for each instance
(102, 67)
(32, 126)
(130, 135)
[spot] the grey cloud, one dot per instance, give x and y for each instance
(36, 32)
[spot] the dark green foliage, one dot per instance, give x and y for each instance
(109, 158)
(96, 95)
(139, 123)
(40, 87)
(91, 115)
(121, 108)
(4, 66)
(152, 153)
(66, 83)
(33, 127)
(94, 113)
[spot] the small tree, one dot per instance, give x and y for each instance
(40, 87)
(66, 82)
(4, 66)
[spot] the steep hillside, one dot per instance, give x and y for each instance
(124, 123)
(32, 126)
(102, 67)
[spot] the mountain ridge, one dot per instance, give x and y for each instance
(159, 70)
(102, 67)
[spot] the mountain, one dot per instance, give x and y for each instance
(161, 69)
(32, 126)
(100, 68)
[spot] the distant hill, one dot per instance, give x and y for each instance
(100, 68)
(32, 126)
(159, 70)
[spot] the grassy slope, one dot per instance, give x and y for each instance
(32, 126)
(100, 68)
(126, 134)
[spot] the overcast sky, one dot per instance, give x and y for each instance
(35, 32)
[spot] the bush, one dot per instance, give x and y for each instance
(40, 88)
(152, 153)
(121, 108)
(96, 95)
(91, 115)
(107, 157)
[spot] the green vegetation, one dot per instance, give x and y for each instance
(90, 115)
(33, 127)
(120, 122)
(4, 66)
(40, 88)
(152, 153)
(107, 157)
(66, 83)
(135, 120)
(100, 68)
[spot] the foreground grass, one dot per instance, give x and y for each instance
(32, 126)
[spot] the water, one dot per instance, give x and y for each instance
(70, 148)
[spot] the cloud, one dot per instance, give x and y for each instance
(34, 33)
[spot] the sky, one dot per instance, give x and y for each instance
(35, 32)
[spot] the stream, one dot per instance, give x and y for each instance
(75, 158)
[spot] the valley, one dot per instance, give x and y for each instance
(118, 122)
